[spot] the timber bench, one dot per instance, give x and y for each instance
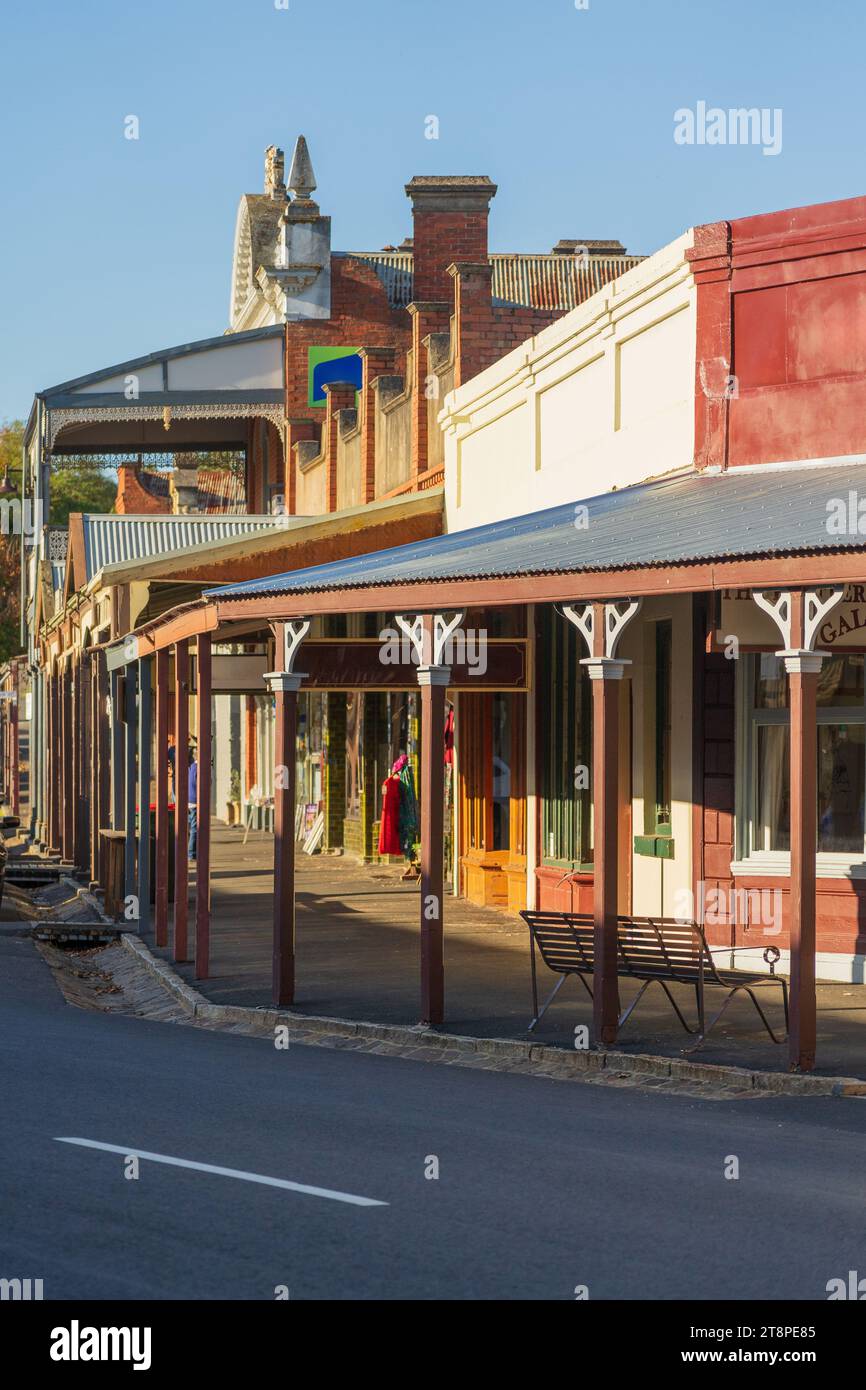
(653, 950)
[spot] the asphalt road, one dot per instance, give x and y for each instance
(543, 1186)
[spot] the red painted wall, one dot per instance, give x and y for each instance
(780, 375)
(781, 310)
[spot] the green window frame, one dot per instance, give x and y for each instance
(657, 840)
(565, 731)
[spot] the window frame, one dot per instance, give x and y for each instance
(664, 692)
(569, 715)
(749, 720)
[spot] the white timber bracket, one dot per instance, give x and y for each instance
(429, 635)
(294, 632)
(617, 616)
(815, 610)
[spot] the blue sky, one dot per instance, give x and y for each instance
(113, 247)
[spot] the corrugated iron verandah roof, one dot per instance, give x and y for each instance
(771, 511)
(114, 538)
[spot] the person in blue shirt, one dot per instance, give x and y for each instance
(192, 788)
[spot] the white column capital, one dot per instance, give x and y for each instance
(287, 682)
(604, 668)
(801, 662)
(433, 675)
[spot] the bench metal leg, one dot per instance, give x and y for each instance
(761, 1014)
(644, 987)
(553, 993)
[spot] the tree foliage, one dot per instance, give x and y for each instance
(79, 485)
(11, 435)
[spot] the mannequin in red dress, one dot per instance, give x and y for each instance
(389, 826)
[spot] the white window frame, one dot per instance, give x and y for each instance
(764, 862)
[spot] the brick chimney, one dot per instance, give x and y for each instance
(183, 486)
(450, 214)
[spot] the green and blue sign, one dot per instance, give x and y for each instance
(327, 364)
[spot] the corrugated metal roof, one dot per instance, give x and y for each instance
(109, 540)
(541, 281)
(770, 511)
(221, 492)
(554, 282)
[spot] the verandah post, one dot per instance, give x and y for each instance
(203, 758)
(161, 886)
(284, 684)
(145, 705)
(605, 769)
(430, 635)
(798, 614)
(803, 670)
(102, 744)
(129, 788)
(433, 680)
(285, 690)
(803, 667)
(181, 800)
(67, 801)
(601, 624)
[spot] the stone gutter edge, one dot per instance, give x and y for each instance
(265, 1020)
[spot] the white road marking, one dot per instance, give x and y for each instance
(228, 1173)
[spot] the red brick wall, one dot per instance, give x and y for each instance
(360, 317)
(132, 498)
(484, 331)
(441, 238)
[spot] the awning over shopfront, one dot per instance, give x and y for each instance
(686, 520)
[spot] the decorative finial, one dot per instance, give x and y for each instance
(302, 180)
(275, 172)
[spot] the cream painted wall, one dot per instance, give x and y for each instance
(600, 399)
(311, 491)
(656, 882)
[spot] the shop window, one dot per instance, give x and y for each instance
(491, 769)
(763, 784)
(501, 771)
(565, 729)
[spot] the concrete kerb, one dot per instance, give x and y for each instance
(545, 1059)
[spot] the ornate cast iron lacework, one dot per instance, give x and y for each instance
(61, 418)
